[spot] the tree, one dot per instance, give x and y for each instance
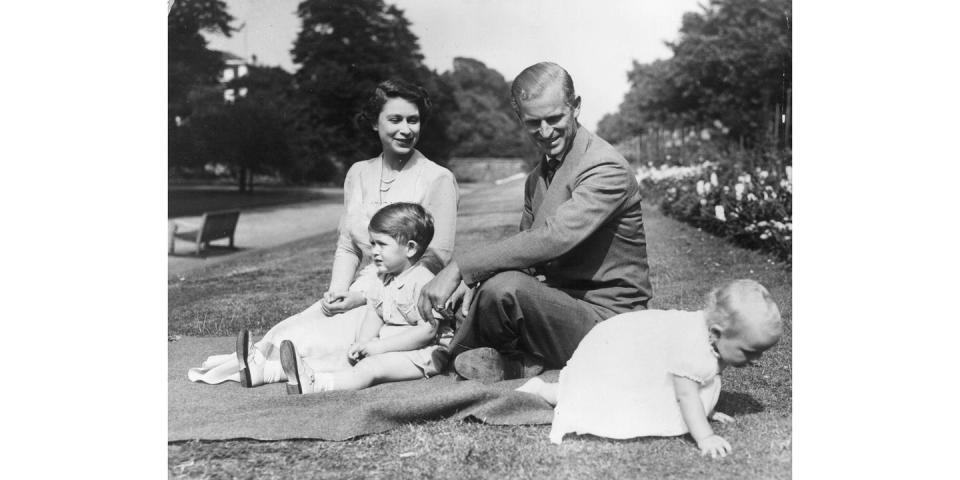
(483, 123)
(249, 136)
(189, 62)
(731, 63)
(345, 49)
(735, 64)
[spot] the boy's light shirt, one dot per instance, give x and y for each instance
(397, 282)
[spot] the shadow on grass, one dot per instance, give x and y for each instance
(736, 403)
(207, 252)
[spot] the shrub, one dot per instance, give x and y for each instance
(751, 206)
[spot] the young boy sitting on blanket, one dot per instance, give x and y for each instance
(657, 373)
(394, 342)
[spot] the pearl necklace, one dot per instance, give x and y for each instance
(386, 185)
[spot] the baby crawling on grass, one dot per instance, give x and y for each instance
(657, 373)
(394, 343)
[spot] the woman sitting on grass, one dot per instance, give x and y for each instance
(395, 343)
(396, 112)
(657, 373)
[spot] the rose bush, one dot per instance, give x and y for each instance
(751, 206)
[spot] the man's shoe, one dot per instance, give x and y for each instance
(524, 365)
(243, 353)
(488, 365)
(291, 366)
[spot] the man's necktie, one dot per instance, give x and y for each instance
(552, 165)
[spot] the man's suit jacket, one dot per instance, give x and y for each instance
(584, 232)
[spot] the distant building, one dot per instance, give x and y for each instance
(235, 67)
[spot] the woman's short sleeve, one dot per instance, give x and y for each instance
(689, 354)
(353, 207)
(441, 200)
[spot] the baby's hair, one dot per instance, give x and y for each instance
(404, 222)
(733, 302)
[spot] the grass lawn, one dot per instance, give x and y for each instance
(260, 289)
(182, 202)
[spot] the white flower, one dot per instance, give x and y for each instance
(764, 235)
(703, 201)
(746, 178)
(789, 226)
(762, 223)
(739, 188)
(718, 210)
(763, 174)
(778, 225)
(790, 174)
(700, 190)
(751, 228)
(751, 197)
(713, 179)
(706, 187)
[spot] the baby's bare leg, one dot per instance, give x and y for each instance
(376, 369)
(536, 386)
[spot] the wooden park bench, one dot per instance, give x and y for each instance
(213, 226)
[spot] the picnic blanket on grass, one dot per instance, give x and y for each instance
(229, 411)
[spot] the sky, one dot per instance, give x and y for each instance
(595, 40)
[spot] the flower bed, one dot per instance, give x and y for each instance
(751, 207)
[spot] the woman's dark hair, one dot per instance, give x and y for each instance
(394, 88)
(404, 222)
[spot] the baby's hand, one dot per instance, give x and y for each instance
(715, 446)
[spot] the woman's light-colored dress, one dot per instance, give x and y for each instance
(619, 382)
(324, 340)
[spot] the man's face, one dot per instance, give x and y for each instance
(549, 121)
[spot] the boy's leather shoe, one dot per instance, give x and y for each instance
(243, 354)
(291, 366)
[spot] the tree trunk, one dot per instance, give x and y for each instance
(242, 179)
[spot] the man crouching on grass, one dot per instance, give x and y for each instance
(581, 229)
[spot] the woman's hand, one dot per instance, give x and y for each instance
(338, 302)
(715, 446)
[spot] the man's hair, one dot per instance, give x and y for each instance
(534, 79)
(393, 88)
(404, 222)
(740, 300)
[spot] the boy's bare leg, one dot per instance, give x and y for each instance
(374, 370)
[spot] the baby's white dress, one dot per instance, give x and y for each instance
(619, 382)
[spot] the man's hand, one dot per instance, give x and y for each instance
(436, 292)
(462, 292)
(338, 302)
(715, 446)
